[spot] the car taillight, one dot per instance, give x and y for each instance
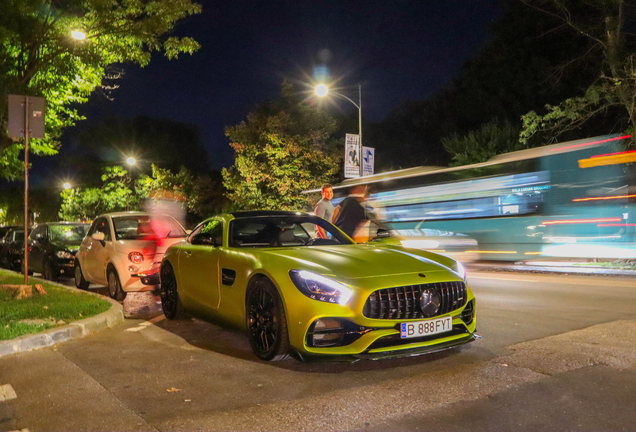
(136, 257)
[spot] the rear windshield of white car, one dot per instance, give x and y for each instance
(146, 228)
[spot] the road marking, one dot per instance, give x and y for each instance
(7, 393)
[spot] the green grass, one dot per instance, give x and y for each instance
(59, 304)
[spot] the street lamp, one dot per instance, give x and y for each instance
(78, 35)
(322, 90)
(131, 161)
(67, 185)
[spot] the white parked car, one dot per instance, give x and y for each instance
(119, 246)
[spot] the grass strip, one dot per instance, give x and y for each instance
(59, 304)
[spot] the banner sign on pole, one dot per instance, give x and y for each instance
(368, 160)
(351, 157)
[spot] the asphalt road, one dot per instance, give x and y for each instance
(558, 353)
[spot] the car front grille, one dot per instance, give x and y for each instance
(404, 302)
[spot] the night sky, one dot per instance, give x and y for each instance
(397, 50)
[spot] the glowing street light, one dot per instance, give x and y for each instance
(67, 185)
(131, 161)
(322, 90)
(78, 35)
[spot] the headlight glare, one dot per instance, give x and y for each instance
(320, 288)
(64, 254)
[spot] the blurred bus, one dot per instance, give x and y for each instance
(570, 200)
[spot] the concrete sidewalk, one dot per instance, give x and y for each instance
(77, 329)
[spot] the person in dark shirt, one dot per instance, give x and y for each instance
(350, 214)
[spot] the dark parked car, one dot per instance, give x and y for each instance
(52, 248)
(12, 248)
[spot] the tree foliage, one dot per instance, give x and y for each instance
(283, 148)
(491, 139)
(38, 56)
(605, 26)
(523, 66)
(200, 196)
(118, 193)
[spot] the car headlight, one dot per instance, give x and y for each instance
(64, 254)
(460, 270)
(320, 288)
(136, 257)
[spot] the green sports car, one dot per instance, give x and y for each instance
(269, 274)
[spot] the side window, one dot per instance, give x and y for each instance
(93, 227)
(103, 226)
(214, 228)
(38, 233)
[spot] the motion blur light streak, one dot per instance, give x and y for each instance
(613, 154)
(579, 221)
(604, 198)
(490, 252)
(532, 253)
(591, 143)
(616, 225)
(604, 160)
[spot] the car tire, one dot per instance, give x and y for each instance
(170, 301)
(114, 285)
(48, 272)
(80, 282)
(266, 321)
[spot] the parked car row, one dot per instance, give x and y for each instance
(111, 251)
(11, 247)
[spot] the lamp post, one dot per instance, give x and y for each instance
(322, 90)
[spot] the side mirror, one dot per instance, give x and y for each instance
(99, 236)
(204, 239)
(383, 233)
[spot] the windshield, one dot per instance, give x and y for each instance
(280, 231)
(144, 227)
(67, 233)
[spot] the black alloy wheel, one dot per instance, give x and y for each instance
(170, 302)
(266, 321)
(47, 271)
(114, 286)
(80, 282)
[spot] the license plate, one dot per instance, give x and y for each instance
(426, 328)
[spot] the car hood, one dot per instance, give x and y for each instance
(145, 246)
(357, 261)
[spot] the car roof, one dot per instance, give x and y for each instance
(124, 213)
(252, 213)
(63, 223)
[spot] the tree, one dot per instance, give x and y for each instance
(38, 56)
(165, 143)
(491, 139)
(605, 26)
(523, 66)
(283, 148)
(200, 196)
(118, 193)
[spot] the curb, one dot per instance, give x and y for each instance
(75, 330)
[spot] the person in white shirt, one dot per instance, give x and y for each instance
(324, 208)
